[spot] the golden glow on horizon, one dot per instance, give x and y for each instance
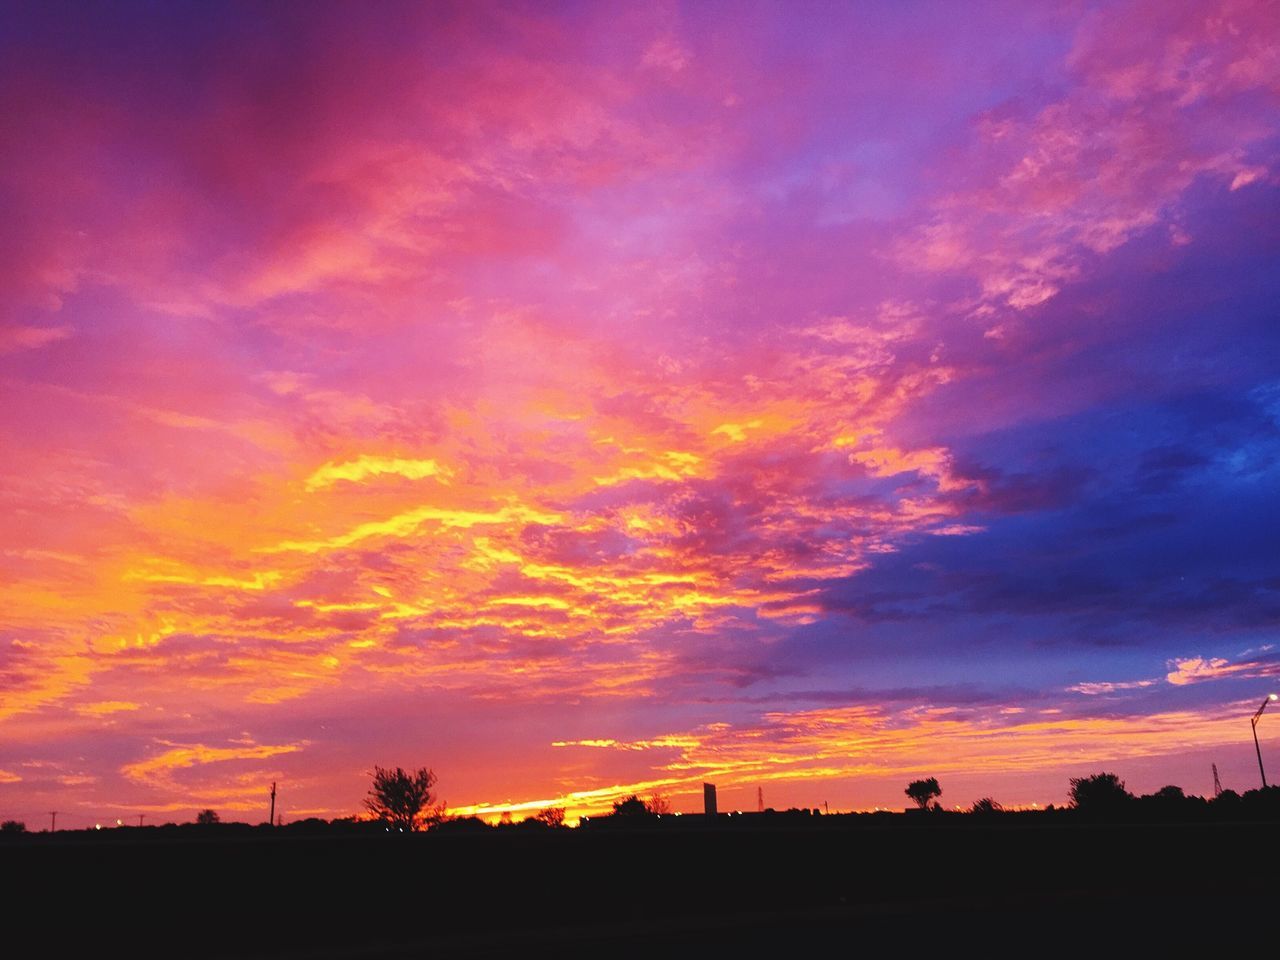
(869, 743)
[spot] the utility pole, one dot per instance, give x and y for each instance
(53, 825)
(1256, 717)
(1217, 784)
(759, 799)
(140, 816)
(271, 820)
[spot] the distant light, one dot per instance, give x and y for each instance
(119, 823)
(97, 826)
(1272, 696)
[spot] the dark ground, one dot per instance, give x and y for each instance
(826, 886)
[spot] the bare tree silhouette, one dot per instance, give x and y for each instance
(552, 816)
(403, 800)
(658, 803)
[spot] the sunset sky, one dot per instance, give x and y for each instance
(585, 399)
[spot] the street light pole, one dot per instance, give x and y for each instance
(1254, 722)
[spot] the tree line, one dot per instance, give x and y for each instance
(403, 801)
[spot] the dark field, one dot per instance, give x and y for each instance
(827, 886)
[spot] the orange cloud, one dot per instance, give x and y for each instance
(159, 771)
(105, 708)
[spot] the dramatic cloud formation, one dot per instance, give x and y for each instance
(581, 401)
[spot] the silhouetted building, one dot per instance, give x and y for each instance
(709, 799)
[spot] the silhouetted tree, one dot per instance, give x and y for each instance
(986, 805)
(658, 803)
(403, 800)
(631, 806)
(13, 826)
(1261, 801)
(312, 825)
(1100, 793)
(552, 816)
(207, 817)
(1171, 803)
(922, 791)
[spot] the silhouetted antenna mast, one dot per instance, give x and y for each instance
(271, 820)
(1217, 784)
(140, 816)
(53, 822)
(759, 799)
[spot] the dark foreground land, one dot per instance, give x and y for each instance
(827, 886)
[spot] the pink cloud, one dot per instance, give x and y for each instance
(1199, 669)
(31, 338)
(1153, 109)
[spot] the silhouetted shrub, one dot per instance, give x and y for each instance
(1102, 793)
(1170, 803)
(631, 806)
(13, 826)
(986, 806)
(1263, 802)
(208, 817)
(1228, 801)
(310, 825)
(461, 825)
